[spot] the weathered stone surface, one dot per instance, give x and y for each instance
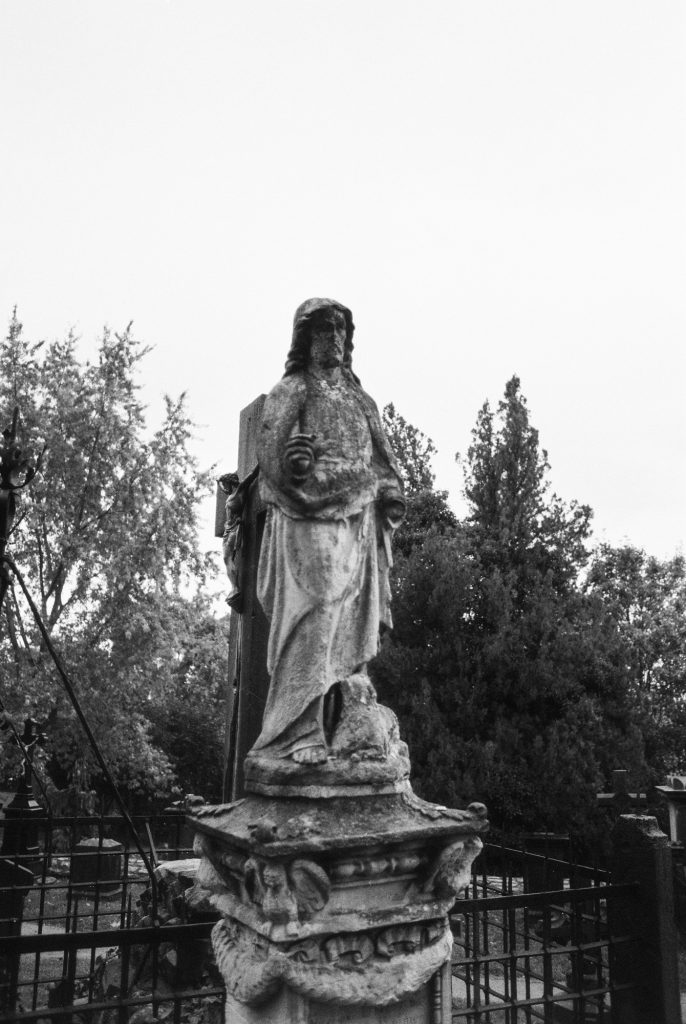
(290, 1006)
(281, 828)
(334, 495)
(297, 867)
(337, 902)
(337, 776)
(347, 968)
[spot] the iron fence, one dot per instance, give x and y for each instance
(534, 941)
(88, 933)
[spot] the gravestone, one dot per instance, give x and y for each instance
(96, 867)
(332, 878)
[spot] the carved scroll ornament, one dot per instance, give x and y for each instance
(254, 968)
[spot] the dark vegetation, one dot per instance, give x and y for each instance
(525, 666)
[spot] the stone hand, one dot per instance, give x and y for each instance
(393, 507)
(300, 456)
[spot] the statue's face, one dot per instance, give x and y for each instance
(327, 339)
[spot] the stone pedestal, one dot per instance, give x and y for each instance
(334, 907)
(96, 867)
(429, 1005)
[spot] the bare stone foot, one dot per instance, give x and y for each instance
(310, 755)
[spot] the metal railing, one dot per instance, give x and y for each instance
(86, 929)
(522, 955)
(85, 936)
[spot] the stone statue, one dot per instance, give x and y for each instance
(334, 881)
(334, 496)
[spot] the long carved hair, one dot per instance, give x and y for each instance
(299, 354)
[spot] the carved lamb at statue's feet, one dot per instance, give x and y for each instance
(362, 731)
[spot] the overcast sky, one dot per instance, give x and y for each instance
(492, 187)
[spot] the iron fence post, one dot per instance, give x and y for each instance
(20, 841)
(15, 883)
(641, 853)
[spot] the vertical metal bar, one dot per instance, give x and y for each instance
(177, 1011)
(151, 843)
(436, 1000)
(96, 903)
(510, 968)
(476, 946)
(125, 887)
(526, 960)
(576, 961)
(150, 825)
(485, 951)
(599, 980)
(73, 866)
(70, 898)
(155, 970)
(69, 966)
(588, 963)
(14, 907)
(506, 965)
(179, 823)
(124, 970)
(468, 956)
(548, 1006)
(39, 923)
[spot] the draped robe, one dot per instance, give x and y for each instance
(323, 570)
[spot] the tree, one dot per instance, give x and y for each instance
(413, 450)
(646, 600)
(427, 508)
(107, 538)
(520, 526)
(507, 677)
(187, 720)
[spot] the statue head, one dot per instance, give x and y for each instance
(305, 318)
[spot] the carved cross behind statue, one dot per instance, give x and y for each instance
(240, 521)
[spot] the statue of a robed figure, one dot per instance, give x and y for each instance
(332, 878)
(334, 497)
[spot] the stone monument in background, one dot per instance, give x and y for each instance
(333, 879)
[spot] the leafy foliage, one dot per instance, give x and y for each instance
(507, 676)
(427, 508)
(188, 719)
(412, 449)
(107, 539)
(646, 601)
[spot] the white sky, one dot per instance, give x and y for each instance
(492, 187)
